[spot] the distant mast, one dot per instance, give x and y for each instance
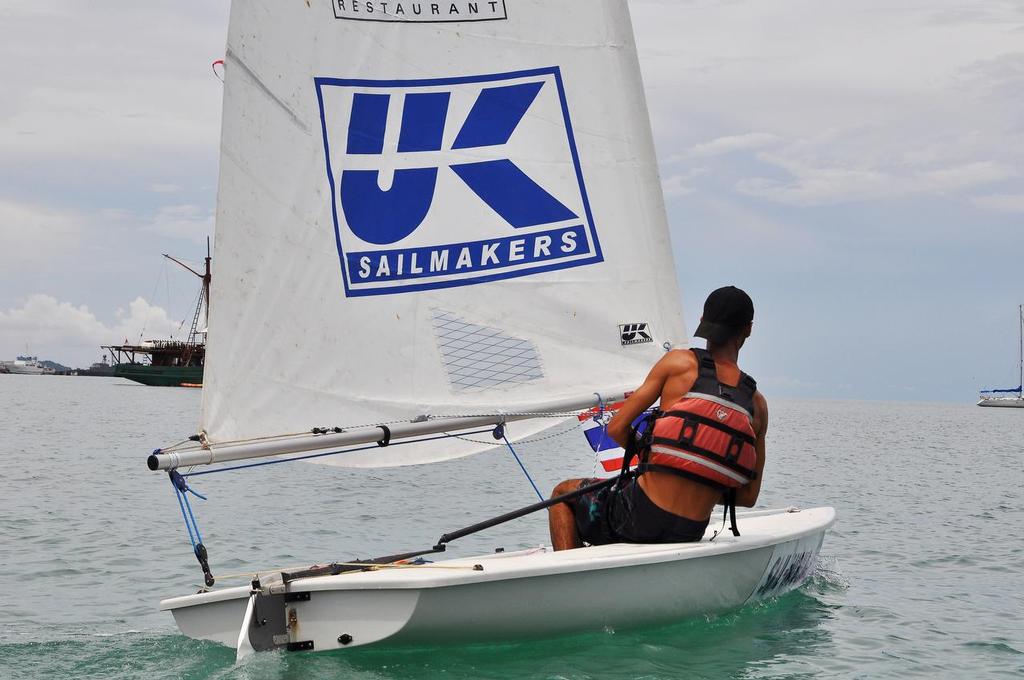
(203, 305)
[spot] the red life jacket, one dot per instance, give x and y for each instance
(708, 435)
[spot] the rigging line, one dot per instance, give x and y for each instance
(720, 530)
(521, 466)
(372, 566)
(167, 290)
(329, 453)
(195, 303)
(497, 414)
(366, 566)
(545, 437)
(173, 447)
(599, 417)
(534, 440)
(152, 302)
(604, 436)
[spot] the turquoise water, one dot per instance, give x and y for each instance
(920, 577)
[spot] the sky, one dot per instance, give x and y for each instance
(857, 167)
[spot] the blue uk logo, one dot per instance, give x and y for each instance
(455, 181)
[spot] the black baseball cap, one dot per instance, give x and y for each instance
(727, 311)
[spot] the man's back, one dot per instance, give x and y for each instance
(677, 371)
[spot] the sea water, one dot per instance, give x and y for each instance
(921, 576)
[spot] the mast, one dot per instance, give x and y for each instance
(1020, 350)
(206, 284)
(203, 304)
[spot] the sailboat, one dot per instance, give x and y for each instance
(1012, 397)
(169, 363)
(440, 228)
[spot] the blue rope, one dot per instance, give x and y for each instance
(181, 504)
(330, 453)
(195, 525)
(182, 488)
(181, 491)
(521, 466)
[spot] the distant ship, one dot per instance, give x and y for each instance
(99, 368)
(1011, 397)
(169, 363)
(25, 366)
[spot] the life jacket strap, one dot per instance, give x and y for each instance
(730, 507)
(742, 394)
(724, 461)
(688, 418)
(654, 467)
(638, 444)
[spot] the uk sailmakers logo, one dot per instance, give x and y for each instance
(419, 12)
(453, 181)
(634, 334)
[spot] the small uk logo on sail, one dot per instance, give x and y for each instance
(453, 181)
(634, 334)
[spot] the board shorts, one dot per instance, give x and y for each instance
(627, 515)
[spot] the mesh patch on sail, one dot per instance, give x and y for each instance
(478, 357)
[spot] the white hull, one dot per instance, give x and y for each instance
(1002, 402)
(534, 593)
(20, 369)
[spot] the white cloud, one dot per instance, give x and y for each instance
(729, 221)
(855, 101)
(678, 184)
(675, 185)
(160, 188)
(817, 185)
(30, 234)
(182, 221)
(963, 176)
(116, 214)
(89, 82)
(1010, 203)
(68, 334)
(731, 143)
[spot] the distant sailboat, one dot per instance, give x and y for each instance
(1012, 397)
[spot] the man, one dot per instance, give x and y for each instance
(672, 501)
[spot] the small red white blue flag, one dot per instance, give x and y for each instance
(609, 453)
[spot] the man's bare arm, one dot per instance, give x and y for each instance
(671, 365)
(747, 496)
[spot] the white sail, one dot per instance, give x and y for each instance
(436, 209)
